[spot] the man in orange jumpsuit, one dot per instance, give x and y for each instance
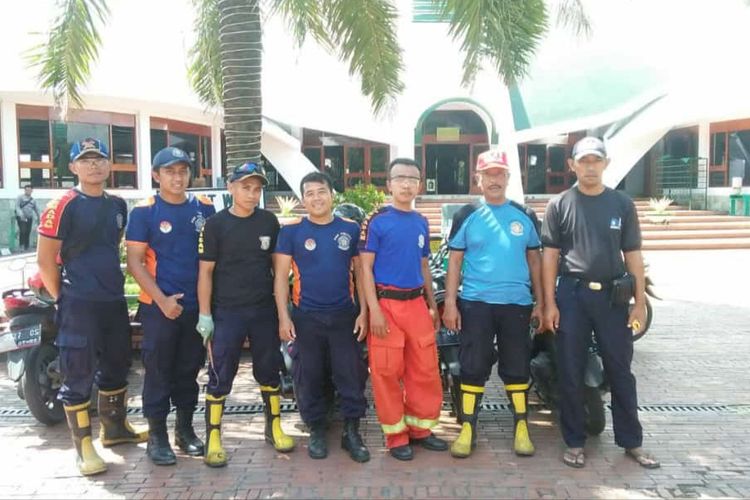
(403, 318)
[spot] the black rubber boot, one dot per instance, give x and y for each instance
(317, 447)
(158, 449)
(352, 442)
(184, 434)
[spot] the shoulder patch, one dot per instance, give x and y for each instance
(49, 222)
(146, 202)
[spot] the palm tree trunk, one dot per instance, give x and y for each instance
(241, 48)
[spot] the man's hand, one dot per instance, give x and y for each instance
(551, 318)
(205, 327)
(378, 324)
(436, 323)
(170, 307)
(637, 318)
(360, 326)
(286, 330)
(537, 317)
(451, 316)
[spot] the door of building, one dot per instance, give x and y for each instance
(447, 168)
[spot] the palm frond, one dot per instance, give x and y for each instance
(204, 70)
(364, 34)
(571, 14)
(505, 32)
(303, 17)
(64, 61)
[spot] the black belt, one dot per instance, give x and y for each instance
(596, 286)
(389, 293)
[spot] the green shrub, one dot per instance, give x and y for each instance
(367, 197)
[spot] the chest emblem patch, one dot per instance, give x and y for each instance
(516, 228)
(265, 242)
(343, 240)
(198, 221)
(310, 244)
(420, 241)
(615, 223)
(120, 221)
(165, 227)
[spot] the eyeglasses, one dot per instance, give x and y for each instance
(94, 162)
(406, 179)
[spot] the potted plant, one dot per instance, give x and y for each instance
(658, 213)
(287, 204)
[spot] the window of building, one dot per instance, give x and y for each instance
(44, 143)
(192, 138)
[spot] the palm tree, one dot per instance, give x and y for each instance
(225, 67)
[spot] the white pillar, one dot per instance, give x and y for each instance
(217, 169)
(9, 140)
(144, 155)
(704, 139)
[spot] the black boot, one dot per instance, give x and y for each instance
(158, 449)
(352, 442)
(115, 428)
(184, 435)
(317, 447)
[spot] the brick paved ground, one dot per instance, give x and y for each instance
(693, 386)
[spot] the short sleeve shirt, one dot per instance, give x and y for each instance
(494, 239)
(591, 232)
(93, 274)
(241, 247)
(170, 234)
(399, 240)
(321, 262)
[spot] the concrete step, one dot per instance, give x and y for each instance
(690, 226)
(705, 244)
(696, 234)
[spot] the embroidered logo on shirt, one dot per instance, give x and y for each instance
(420, 242)
(198, 221)
(165, 227)
(343, 240)
(615, 223)
(310, 244)
(265, 242)
(516, 228)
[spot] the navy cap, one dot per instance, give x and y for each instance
(169, 156)
(248, 170)
(589, 146)
(88, 145)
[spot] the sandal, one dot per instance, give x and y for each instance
(574, 457)
(645, 460)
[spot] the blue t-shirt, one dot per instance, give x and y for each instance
(321, 261)
(399, 241)
(170, 233)
(494, 239)
(93, 274)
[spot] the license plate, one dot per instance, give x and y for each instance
(23, 338)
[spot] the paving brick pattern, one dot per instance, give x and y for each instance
(696, 355)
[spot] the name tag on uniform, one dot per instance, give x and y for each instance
(615, 223)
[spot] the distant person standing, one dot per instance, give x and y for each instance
(26, 209)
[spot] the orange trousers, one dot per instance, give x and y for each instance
(404, 372)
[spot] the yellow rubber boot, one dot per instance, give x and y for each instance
(115, 429)
(471, 397)
(215, 455)
(522, 445)
(274, 433)
(88, 460)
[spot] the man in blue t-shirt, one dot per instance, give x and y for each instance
(83, 229)
(325, 326)
(494, 250)
(162, 243)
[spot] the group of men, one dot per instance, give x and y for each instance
(209, 281)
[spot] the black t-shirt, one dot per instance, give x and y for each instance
(591, 232)
(241, 247)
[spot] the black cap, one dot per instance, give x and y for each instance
(589, 146)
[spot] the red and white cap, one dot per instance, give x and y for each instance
(494, 158)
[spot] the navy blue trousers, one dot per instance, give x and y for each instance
(581, 311)
(481, 325)
(94, 342)
(323, 338)
(172, 353)
(232, 326)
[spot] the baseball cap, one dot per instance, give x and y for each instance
(493, 158)
(246, 170)
(88, 145)
(589, 146)
(169, 156)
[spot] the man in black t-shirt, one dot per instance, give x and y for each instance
(591, 238)
(235, 295)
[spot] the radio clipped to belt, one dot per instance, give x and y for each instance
(623, 289)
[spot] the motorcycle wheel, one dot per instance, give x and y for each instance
(594, 409)
(40, 395)
(649, 319)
